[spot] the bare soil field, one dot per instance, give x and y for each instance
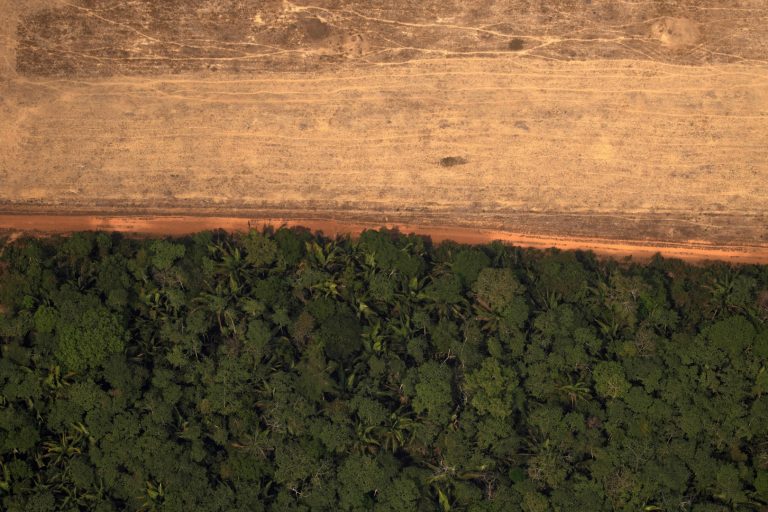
(592, 123)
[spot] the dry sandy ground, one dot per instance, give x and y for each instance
(582, 123)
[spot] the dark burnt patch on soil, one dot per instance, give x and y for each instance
(516, 44)
(315, 28)
(452, 161)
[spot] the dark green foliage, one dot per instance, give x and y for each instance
(497, 287)
(433, 396)
(284, 371)
(85, 340)
(468, 263)
(341, 335)
(491, 388)
(164, 253)
(260, 250)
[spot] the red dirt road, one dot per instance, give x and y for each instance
(693, 251)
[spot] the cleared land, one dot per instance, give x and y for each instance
(637, 124)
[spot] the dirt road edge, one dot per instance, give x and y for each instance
(159, 225)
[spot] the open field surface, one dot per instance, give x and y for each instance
(632, 124)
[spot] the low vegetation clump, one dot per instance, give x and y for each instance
(285, 371)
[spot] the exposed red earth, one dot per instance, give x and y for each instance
(43, 225)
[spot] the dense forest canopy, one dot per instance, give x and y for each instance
(279, 370)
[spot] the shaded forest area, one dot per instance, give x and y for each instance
(279, 370)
